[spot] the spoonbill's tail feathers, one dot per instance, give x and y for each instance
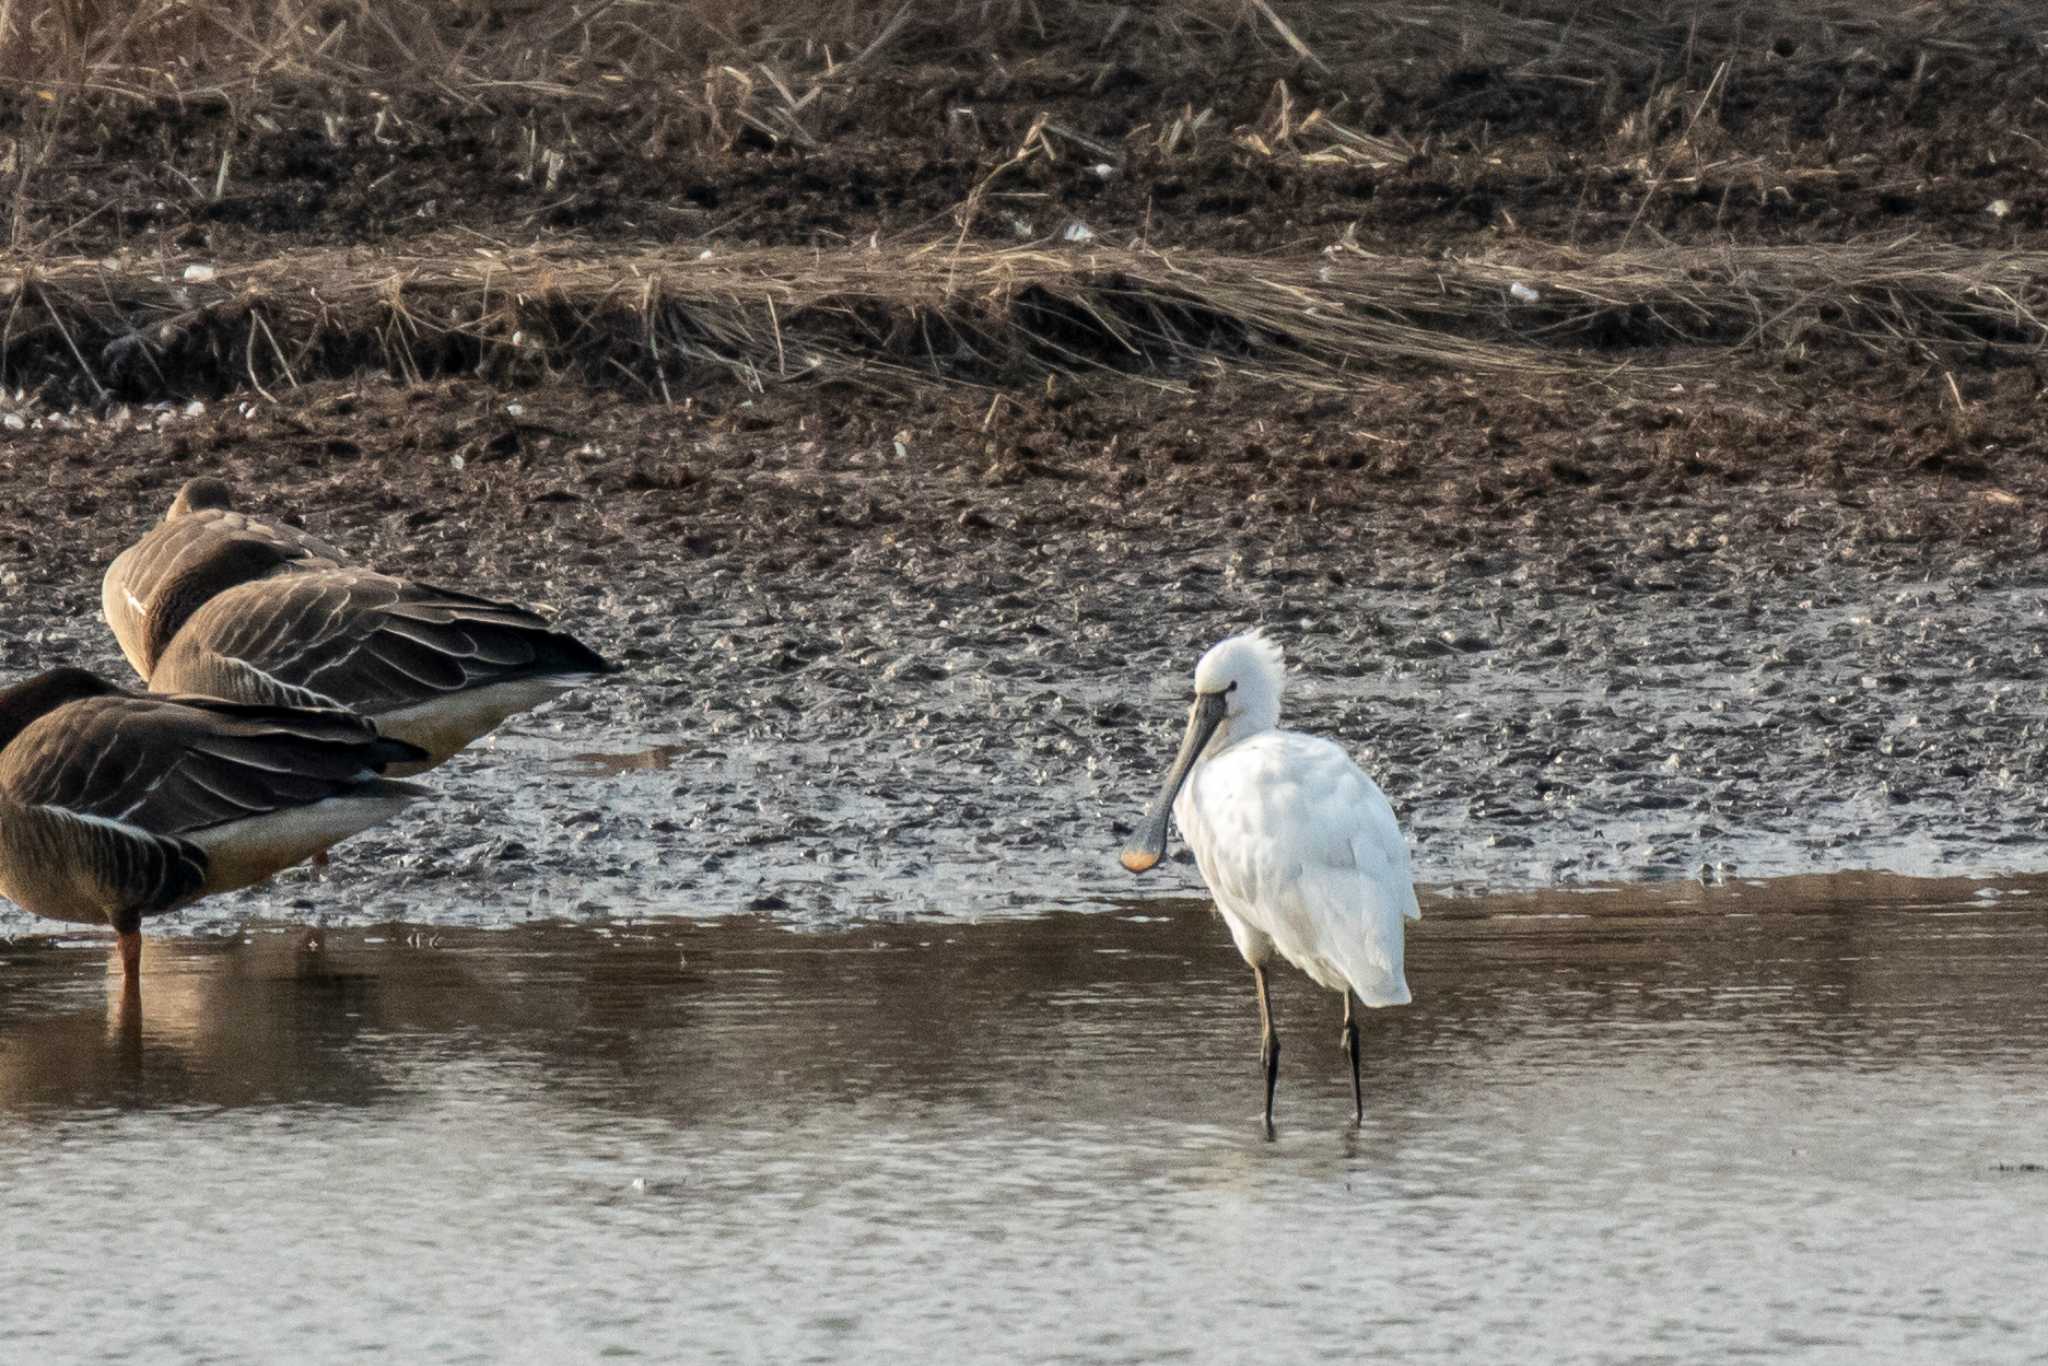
(1358, 940)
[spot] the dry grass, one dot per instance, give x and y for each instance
(953, 311)
(703, 74)
(201, 49)
(789, 49)
(664, 321)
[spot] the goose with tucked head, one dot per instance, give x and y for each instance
(115, 807)
(225, 605)
(434, 667)
(1300, 849)
(200, 525)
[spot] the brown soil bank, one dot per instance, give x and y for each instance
(241, 129)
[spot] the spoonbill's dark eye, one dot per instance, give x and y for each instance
(1233, 686)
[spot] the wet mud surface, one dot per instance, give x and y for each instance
(1798, 1121)
(919, 659)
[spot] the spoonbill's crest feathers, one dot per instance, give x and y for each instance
(1252, 672)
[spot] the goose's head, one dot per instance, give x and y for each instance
(1237, 693)
(204, 494)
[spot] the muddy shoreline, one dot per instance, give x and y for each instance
(942, 682)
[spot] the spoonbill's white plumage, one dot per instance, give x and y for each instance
(1300, 848)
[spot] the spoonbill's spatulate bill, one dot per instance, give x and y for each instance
(1299, 847)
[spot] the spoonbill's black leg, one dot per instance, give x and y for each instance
(1269, 1044)
(1351, 1048)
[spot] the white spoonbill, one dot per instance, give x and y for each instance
(1299, 847)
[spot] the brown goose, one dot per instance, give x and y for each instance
(201, 519)
(115, 806)
(271, 619)
(430, 666)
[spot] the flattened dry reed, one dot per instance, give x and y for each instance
(895, 317)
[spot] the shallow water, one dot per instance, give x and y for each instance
(1797, 1120)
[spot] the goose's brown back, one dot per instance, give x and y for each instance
(114, 806)
(429, 664)
(198, 526)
